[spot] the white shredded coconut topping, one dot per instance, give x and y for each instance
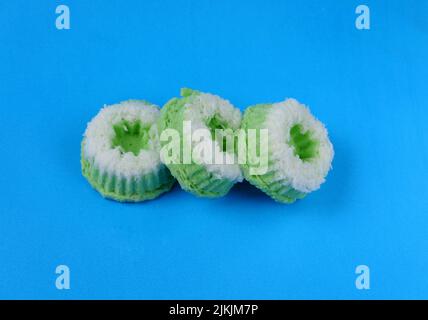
(99, 135)
(304, 176)
(202, 108)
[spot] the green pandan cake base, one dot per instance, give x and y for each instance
(193, 178)
(122, 189)
(281, 191)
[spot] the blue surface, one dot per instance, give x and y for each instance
(368, 87)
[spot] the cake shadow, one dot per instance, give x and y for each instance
(245, 191)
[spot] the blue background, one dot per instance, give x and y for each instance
(368, 87)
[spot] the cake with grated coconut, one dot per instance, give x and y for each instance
(212, 122)
(120, 153)
(299, 150)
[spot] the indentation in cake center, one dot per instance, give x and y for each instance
(131, 136)
(304, 145)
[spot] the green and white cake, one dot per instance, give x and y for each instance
(208, 113)
(120, 153)
(299, 150)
